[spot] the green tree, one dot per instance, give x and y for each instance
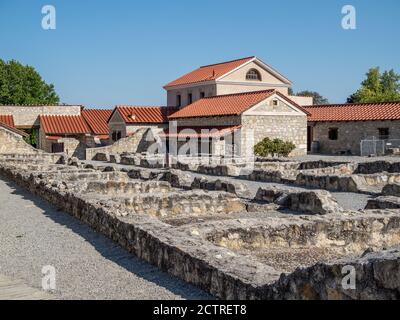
(378, 87)
(268, 147)
(21, 84)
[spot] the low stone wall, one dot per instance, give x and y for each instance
(328, 182)
(185, 252)
(368, 184)
(377, 167)
(387, 202)
(310, 202)
(391, 189)
(377, 278)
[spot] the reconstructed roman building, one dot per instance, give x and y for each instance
(226, 107)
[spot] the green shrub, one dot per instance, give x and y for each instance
(268, 147)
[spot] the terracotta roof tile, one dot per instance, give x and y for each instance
(227, 105)
(354, 112)
(60, 125)
(145, 114)
(97, 120)
(209, 72)
(7, 120)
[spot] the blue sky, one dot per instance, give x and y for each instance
(105, 53)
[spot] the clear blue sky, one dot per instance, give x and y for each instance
(105, 53)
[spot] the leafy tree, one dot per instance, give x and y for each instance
(21, 84)
(378, 87)
(268, 147)
(318, 99)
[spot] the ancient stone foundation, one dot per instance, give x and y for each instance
(282, 243)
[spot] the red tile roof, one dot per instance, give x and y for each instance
(354, 112)
(145, 114)
(61, 125)
(97, 120)
(7, 120)
(227, 105)
(210, 72)
(200, 132)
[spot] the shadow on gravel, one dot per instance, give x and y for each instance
(112, 251)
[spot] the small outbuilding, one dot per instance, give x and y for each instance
(340, 128)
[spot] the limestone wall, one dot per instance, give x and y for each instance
(133, 144)
(350, 134)
(11, 142)
(28, 116)
(287, 128)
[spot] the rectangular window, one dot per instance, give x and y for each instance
(202, 94)
(178, 100)
(383, 133)
(190, 98)
(333, 133)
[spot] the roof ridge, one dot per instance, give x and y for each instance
(351, 104)
(216, 64)
(41, 105)
(138, 106)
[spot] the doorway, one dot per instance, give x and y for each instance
(310, 137)
(57, 147)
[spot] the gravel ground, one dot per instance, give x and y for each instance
(33, 234)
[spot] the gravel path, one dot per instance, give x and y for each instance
(33, 234)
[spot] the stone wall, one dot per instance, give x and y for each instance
(28, 116)
(209, 121)
(287, 128)
(135, 143)
(74, 146)
(350, 134)
(230, 257)
(11, 142)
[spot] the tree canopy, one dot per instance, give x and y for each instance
(378, 87)
(21, 84)
(318, 99)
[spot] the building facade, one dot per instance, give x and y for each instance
(340, 129)
(237, 76)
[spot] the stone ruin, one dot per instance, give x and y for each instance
(213, 233)
(276, 242)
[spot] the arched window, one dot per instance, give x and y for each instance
(253, 74)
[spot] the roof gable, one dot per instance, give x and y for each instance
(283, 107)
(354, 112)
(144, 114)
(228, 105)
(97, 120)
(222, 71)
(209, 72)
(64, 125)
